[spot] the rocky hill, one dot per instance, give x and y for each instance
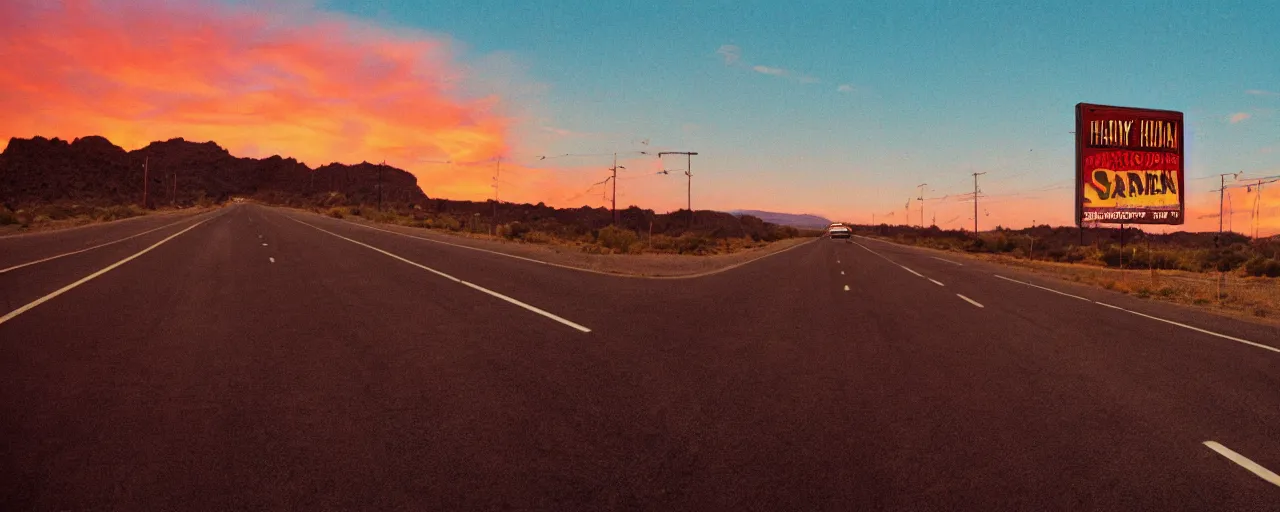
(92, 170)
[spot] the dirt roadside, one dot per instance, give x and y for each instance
(1254, 299)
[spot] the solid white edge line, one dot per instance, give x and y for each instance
(1156, 318)
(569, 267)
(948, 261)
(29, 263)
(1197, 329)
(454, 279)
(935, 281)
(12, 314)
(1042, 288)
(1244, 462)
(971, 301)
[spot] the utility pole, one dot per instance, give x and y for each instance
(688, 172)
(174, 199)
(615, 189)
(380, 166)
(146, 178)
(921, 186)
(975, 202)
(497, 172)
(1222, 189)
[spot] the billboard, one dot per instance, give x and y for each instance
(1129, 165)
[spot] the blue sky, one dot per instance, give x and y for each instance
(935, 90)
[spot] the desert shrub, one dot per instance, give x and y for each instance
(7, 217)
(1259, 266)
(513, 230)
(336, 213)
(693, 244)
(538, 237)
(616, 238)
(447, 222)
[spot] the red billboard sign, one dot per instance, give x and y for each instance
(1129, 165)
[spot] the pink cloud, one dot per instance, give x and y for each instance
(1238, 116)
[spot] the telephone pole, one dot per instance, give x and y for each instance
(380, 166)
(1222, 190)
(921, 186)
(975, 202)
(174, 199)
(615, 189)
(497, 172)
(146, 177)
(688, 172)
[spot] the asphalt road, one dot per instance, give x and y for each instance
(255, 358)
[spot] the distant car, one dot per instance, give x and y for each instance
(839, 232)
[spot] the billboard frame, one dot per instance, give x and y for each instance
(1082, 139)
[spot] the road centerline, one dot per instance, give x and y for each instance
(454, 279)
(971, 301)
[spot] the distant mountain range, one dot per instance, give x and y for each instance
(92, 170)
(795, 220)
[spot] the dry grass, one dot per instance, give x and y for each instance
(62, 216)
(1232, 293)
(589, 256)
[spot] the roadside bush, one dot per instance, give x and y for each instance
(1260, 266)
(618, 239)
(7, 217)
(513, 230)
(693, 244)
(336, 213)
(538, 237)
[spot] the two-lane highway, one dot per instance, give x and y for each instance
(275, 359)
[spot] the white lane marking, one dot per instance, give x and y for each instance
(889, 260)
(1244, 462)
(29, 263)
(1197, 329)
(935, 281)
(570, 267)
(841, 272)
(12, 314)
(1042, 288)
(837, 261)
(971, 301)
(454, 279)
(273, 260)
(846, 287)
(948, 261)
(264, 244)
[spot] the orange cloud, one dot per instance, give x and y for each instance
(315, 86)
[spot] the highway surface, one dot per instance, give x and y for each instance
(254, 358)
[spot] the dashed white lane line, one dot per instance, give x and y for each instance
(948, 261)
(841, 272)
(1244, 462)
(1197, 329)
(846, 287)
(273, 260)
(971, 301)
(1042, 288)
(12, 314)
(454, 279)
(935, 281)
(264, 244)
(29, 263)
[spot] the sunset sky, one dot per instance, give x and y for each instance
(807, 107)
